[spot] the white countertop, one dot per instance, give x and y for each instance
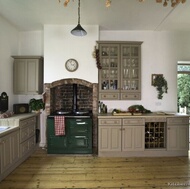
(13, 122)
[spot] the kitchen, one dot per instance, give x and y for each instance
(160, 52)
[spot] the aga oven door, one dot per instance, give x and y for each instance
(79, 135)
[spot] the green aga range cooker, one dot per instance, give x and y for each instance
(78, 134)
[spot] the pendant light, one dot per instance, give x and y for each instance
(78, 30)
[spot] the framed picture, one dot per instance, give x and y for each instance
(153, 77)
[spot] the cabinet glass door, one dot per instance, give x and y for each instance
(130, 72)
(110, 66)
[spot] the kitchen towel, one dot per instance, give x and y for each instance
(59, 123)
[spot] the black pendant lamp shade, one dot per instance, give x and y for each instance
(78, 30)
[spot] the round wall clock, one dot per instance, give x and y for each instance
(71, 65)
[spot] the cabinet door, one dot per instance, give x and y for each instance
(133, 138)
(109, 74)
(177, 137)
(19, 75)
(5, 144)
(28, 75)
(32, 76)
(109, 138)
(130, 72)
(9, 150)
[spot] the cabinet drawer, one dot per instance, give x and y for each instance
(134, 121)
(109, 122)
(130, 96)
(155, 119)
(109, 96)
(26, 146)
(27, 132)
(29, 121)
(178, 121)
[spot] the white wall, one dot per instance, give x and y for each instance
(8, 47)
(160, 53)
(31, 43)
(60, 45)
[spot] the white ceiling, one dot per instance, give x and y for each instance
(122, 15)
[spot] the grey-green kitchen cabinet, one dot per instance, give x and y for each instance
(28, 75)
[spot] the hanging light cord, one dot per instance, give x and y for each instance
(78, 11)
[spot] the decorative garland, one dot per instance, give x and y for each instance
(161, 85)
(97, 57)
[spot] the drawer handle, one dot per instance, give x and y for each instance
(79, 137)
(81, 123)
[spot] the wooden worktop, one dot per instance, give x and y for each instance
(154, 114)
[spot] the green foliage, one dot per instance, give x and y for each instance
(36, 104)
(161, 85)
(183, 90)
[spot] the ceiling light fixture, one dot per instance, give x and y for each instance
(78, 30)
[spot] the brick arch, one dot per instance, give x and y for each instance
(72, 81)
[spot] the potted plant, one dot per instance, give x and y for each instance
(36, 104)
(161, 85)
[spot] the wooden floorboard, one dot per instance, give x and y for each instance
(42, 171)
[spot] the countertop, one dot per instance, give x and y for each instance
(154, 114)
(13, 122)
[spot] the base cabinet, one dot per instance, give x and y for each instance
(9, 152)
(178, 134)
(120, 135)
(18, 145)
(143, 136)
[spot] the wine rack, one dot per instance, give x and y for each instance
(155, 135)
